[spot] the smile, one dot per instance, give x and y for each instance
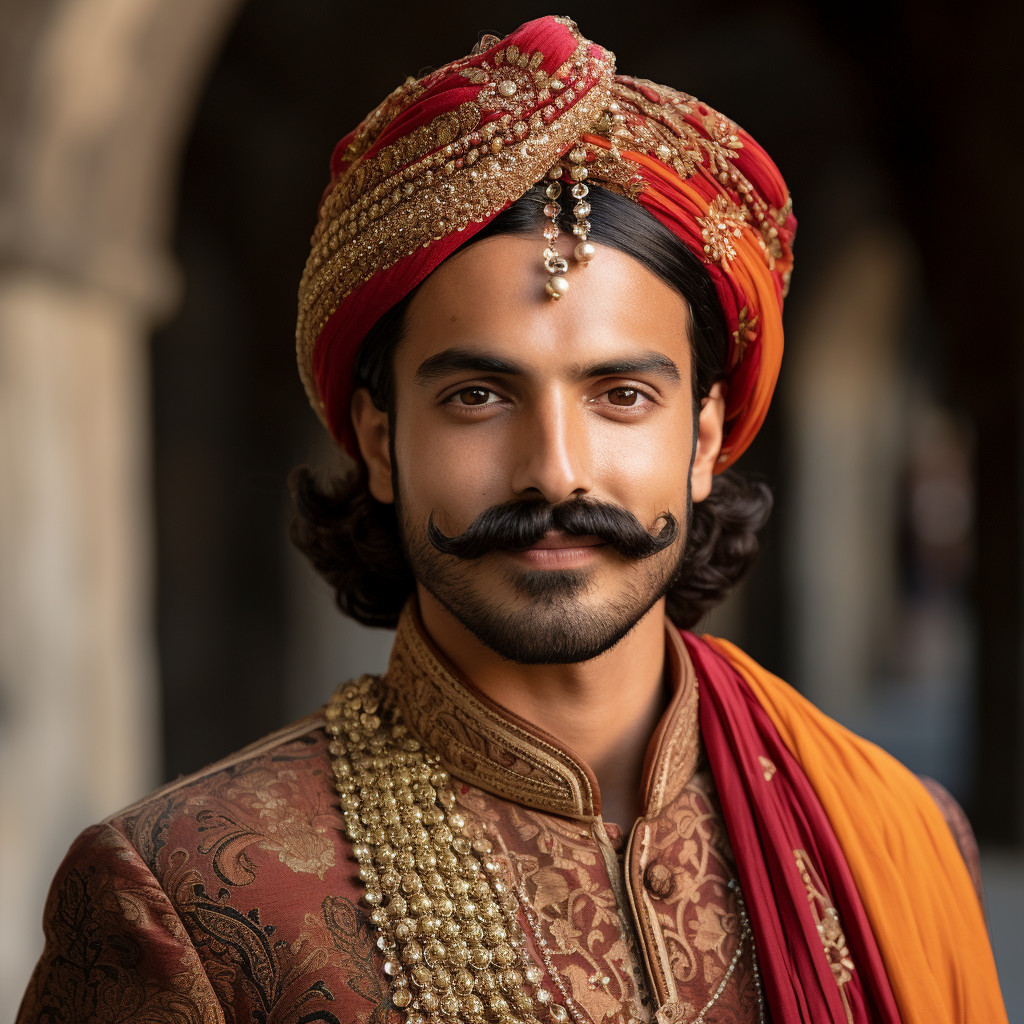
(559, 551)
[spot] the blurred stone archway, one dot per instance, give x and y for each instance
(95, 99)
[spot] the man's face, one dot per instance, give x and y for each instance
(504, 395)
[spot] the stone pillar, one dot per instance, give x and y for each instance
(844, 414)
(95, 97)
(76, 654)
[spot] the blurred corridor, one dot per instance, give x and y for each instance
(159, 171)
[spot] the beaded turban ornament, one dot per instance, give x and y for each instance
(443, 155)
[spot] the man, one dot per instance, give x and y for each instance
(543, 313)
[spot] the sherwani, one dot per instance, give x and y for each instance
(233, 894)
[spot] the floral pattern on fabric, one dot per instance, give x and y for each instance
(233, 895)
(228, 897)
(683, 870)
(115, 949)
(561, 870)
(268, 810)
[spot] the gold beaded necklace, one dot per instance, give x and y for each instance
(446, 916)
(447, 919)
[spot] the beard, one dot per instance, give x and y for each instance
(550, 616)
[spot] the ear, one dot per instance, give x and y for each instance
(710, 432)
(373, 435)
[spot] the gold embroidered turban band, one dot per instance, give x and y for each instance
(443, 155)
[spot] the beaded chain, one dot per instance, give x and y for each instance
(446, 917)
(545, 955)
(746, 935)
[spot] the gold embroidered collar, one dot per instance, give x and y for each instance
(489, 746)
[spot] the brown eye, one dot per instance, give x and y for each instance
(474, 396)
(623, 396)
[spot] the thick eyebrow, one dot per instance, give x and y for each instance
(461, 360)
(642, 365)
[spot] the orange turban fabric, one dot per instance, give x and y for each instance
(445, 154)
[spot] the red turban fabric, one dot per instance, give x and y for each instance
(443, 155)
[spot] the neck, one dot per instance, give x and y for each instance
(603, 710)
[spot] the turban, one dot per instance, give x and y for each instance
(443, 155)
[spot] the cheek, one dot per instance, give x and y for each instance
(649, 466)
(451, 471)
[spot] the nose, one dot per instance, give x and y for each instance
(553, 458)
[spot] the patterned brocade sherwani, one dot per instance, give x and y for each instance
(234, 894)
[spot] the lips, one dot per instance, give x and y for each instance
(559, 541)
(560, 551)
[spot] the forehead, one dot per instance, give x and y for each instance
(489, 297)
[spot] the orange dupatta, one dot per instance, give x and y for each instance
(911, 877)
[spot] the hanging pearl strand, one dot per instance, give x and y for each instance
(555, 263)
(584, 251)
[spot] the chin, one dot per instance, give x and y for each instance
(526, 642)
(550, 621)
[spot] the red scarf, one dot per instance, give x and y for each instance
(818, 817)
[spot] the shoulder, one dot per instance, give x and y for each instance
(960, 826)
(276, 796)
(299, 745)
(238, 876)
(284, 778)
(863, 783)
(115, 949)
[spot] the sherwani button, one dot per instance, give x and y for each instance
(658, 880)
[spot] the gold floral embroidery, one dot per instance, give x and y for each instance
(259, 809)
(722, 224)
(443, 131)
(721, 131)
(696, 923)
(829, 927)
(744, 334)
(575, 908)
(767, 767)
(514, 82)
(387, 205)
(660, 121)
(658, 125)
(465, 165)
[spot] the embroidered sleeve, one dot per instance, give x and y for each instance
(115, 949)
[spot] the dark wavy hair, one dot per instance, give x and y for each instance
(354, 541)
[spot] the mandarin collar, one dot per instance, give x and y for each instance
(483, 743)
